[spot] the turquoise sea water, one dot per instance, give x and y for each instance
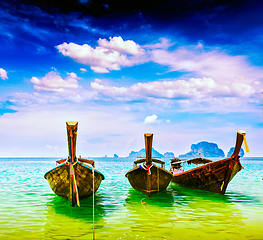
(30, 210)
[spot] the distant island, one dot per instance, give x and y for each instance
(141, 153)
(231, 150)
(169, 155)
(207, 149)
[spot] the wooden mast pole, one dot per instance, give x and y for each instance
(72, 128)
(239, 142)
(148, 137)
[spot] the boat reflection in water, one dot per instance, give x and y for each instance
(161, 199)
(62, 220)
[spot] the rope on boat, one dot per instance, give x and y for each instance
(151, 214)
(75, 183)
(169, 221)
(252, 172)
(147, 209)
(222, 185)
(93, 204)
(75, 186)
(158, 184)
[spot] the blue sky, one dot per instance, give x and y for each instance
(187, 72)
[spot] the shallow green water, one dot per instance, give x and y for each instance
(30, 210)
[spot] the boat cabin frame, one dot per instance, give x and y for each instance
(143, 159)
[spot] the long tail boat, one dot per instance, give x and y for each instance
(148, 177)
(213, 176)
(74, 178)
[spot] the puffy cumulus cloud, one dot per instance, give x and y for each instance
(200, 63)
(3, 74)
(109, 55)
(53, 82)
(83, 70)
(52, 89)
(117, 44)
(150, 119)
(194, 88)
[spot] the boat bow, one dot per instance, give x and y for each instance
(213, 176)
(73, 178)
(148, 177)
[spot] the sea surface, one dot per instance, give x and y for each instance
(30, 210)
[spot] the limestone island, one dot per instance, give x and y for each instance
(155, 153)
(206, 149)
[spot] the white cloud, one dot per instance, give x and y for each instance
(52, 148)
(219, 105)
(100, 70)
(83, 70)
(72, 75)
(201, 63)
(163, 44)
(117, 44)
(193, 95)
(176, 89)
(53, 82)
(109, 55)
(3, 74)
(150, 119)
(53, 89)
(54, 98)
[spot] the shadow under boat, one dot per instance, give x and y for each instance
(74, 178)
(60, 206)
(148, 177)
(160, 199)
(190, 194)
(213, 176)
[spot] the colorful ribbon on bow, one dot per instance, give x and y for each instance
(146, 167)
(75, 186)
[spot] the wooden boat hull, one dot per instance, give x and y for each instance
(157, 181)
(59, 179)
(213, 177)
